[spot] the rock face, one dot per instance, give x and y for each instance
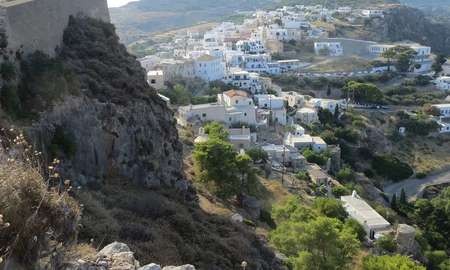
(117, 126)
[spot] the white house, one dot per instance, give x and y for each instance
(373, 223)
(242, 79)
(269, 102)
(284, 154)
(251, 46)
(328, 104)
(274, 105)
(240, 108)
(444, 109)
(328, 48)
(240, 138)
(232, 107)
(209, 68)
(294, 99)
(307, 115)
(444, 119)
(372, 13)
(155, 79)
(202, 113)
(443, 83)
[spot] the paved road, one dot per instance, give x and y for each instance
(414, 187)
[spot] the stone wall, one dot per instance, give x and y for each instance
(40, 24)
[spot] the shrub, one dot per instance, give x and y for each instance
(303, 175)
(391, 168)
(339, 191)
(386, 244)
(34, 212)
(317, 158)
(348, 134)
(346, 174)
(421, 175)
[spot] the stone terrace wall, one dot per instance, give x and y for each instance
(40, 24)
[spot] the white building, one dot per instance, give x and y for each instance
(326, 104)
(372, 13)
(251, 46)
(284, 154)
(294, 99)
(444, 109)
(328, 48)
(269, 102)
(444, 119)
(240, 138)
(155, 79)
(209, 68)
(242, 79)
(202, 113)
(443, 83)
(422, 51)
(240, 108)
(307, 116)
(373, 223)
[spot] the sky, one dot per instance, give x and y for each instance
(118, 3)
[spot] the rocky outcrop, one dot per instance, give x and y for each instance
(117, 256)
(117, 126)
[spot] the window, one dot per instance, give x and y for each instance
(237, 101)
(153, 81)
(245, 114)
(203, 115)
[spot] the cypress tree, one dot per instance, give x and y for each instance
(394, 201)
(403, 200)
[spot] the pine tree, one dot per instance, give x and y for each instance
(394, 201)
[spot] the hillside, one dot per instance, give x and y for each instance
(138, 19)
(101, 128)
(400, 24)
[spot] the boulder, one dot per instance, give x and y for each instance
(112, 249)
(151, 266)
(183, 267)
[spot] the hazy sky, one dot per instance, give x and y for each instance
(118, 3)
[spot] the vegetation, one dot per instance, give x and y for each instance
(391, 168)
(363, 92)
(314, 157)
(217, 164)
(33, 211)
(404, 57)
(390, 263)
(310, 238)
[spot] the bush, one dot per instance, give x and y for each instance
(317, 158)
(347, 134)
(303, 175)
(386, 244)
(392, 168)
(421, 175)
(346, 174)
(339, 191)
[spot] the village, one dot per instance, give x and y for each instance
(257, 113)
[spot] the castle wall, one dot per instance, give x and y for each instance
(40, 24)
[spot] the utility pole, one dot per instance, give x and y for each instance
(283, 168)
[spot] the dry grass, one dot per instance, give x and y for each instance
(39, 215)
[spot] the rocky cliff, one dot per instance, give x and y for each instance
(117, 126)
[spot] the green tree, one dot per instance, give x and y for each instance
(325, 116)
(330, 207)
(243, 162)
(403, 200)
(363, 92)
(257, 154)
(216, 130)
(354, 226)
(386, 262)
(394, 201)
(389, 55)
(215, 163)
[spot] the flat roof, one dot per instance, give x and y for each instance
(10, 3)
(363, 212)
(441, 105)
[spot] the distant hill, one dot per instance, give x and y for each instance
(138, 19)
(426, 3)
